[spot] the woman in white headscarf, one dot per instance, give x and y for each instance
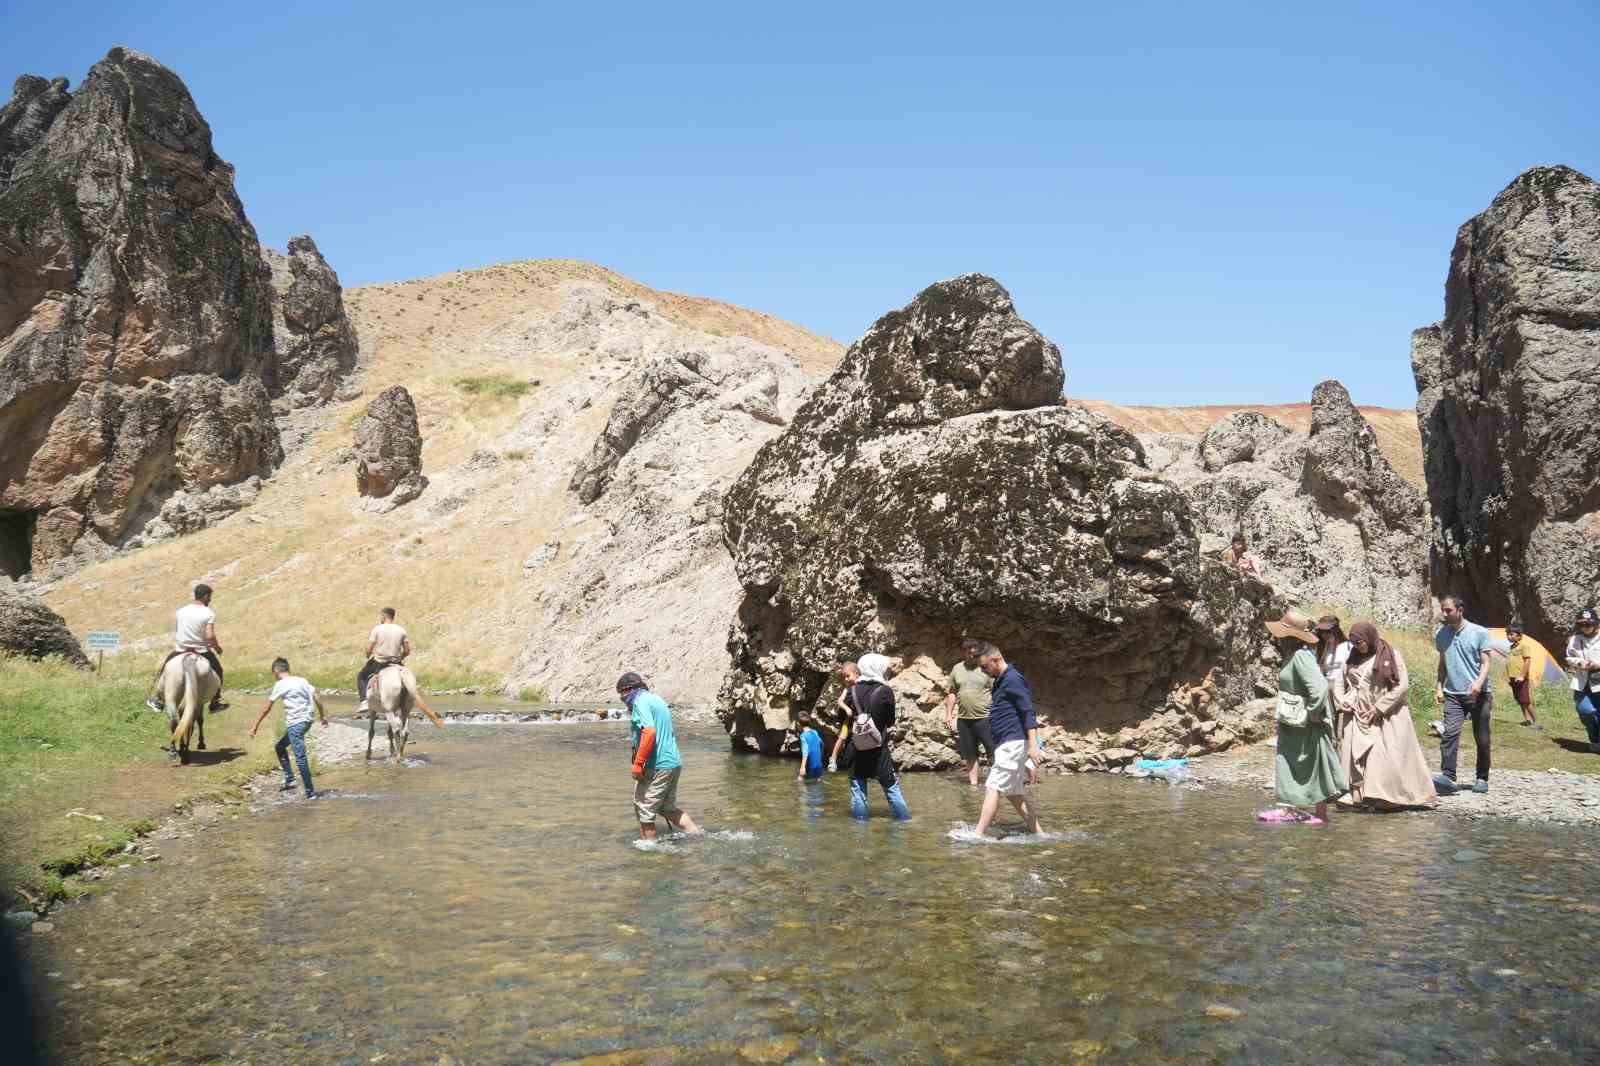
(872, 702)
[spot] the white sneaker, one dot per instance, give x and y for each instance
(1436, 727)
(362, 708)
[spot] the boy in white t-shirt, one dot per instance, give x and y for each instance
(298, 698)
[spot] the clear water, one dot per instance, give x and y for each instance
(488, 905)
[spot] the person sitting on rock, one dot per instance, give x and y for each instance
(196, 631)
(387, 643)
(1241, 560)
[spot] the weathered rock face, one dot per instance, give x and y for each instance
(1507, 385)
(136, 320)
(389, 449)
(935, 487)
(640, 579)
(312, 337)
(30, 629)
(1330, 519)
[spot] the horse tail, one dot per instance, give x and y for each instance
(191, 698)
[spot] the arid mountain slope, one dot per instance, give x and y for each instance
(557, 343)
(1396, 428)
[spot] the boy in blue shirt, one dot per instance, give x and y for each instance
(656, 763)
(810, 751)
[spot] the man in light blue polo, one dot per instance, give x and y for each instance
(656, 763)
(1463, 687)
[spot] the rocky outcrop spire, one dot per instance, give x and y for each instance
(1507, 392)
(137, 355)
(935, 487)
(389, 450)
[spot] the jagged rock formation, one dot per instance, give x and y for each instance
(1325, 512)
(30, 629)
(1507, 386)
(934, 487)
(643, 582)
(389, 450)
(315, 344)
(137, 355)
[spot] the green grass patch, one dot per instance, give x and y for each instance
(83, 771)
(494, 386)
(532, 694)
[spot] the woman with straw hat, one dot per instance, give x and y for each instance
(1307, 771)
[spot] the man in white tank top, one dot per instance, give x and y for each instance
(196, 631)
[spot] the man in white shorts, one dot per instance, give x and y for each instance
(1016, 742)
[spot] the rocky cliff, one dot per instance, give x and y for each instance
(1328, 516)
(138, 357)
(933, 488)
(640, 579)
(1507, 385)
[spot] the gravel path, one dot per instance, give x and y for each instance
(1525, 795)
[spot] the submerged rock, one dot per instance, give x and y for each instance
(933, 488)
(1506, 393)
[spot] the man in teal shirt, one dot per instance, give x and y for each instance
(1463, 687)
(656, 763)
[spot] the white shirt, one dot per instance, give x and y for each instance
(298, 698)
(192, 621)
(1341, 655)
(388, 642)
(1581, 647)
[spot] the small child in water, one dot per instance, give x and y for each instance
(810, 751)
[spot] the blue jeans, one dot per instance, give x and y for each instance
(295, 736)
(1588, 713)
(888, 779)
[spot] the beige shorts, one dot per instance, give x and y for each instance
(1009, 774)
(657, 794)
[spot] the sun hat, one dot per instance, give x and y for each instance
(1293, 624)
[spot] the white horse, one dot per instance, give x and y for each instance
(187, 681)
(397, 693)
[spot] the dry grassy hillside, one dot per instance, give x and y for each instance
(303, 571)
(1396, 429)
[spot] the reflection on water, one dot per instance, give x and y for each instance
(490, 906)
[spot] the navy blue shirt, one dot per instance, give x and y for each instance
(1011, 707)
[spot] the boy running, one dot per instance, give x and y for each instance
(298, 698)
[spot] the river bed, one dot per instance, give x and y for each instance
(488, 904)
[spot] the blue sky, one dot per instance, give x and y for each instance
(1200, 203)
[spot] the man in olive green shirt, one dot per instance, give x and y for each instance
(966, 709)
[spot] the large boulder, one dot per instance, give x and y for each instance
(33, 631)
(1507, 388)
(1325, 512)
(935, 487)
(137, 356)
(389, 449)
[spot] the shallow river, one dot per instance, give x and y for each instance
(488, 905)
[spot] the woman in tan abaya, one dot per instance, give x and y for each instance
(1378, 746)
